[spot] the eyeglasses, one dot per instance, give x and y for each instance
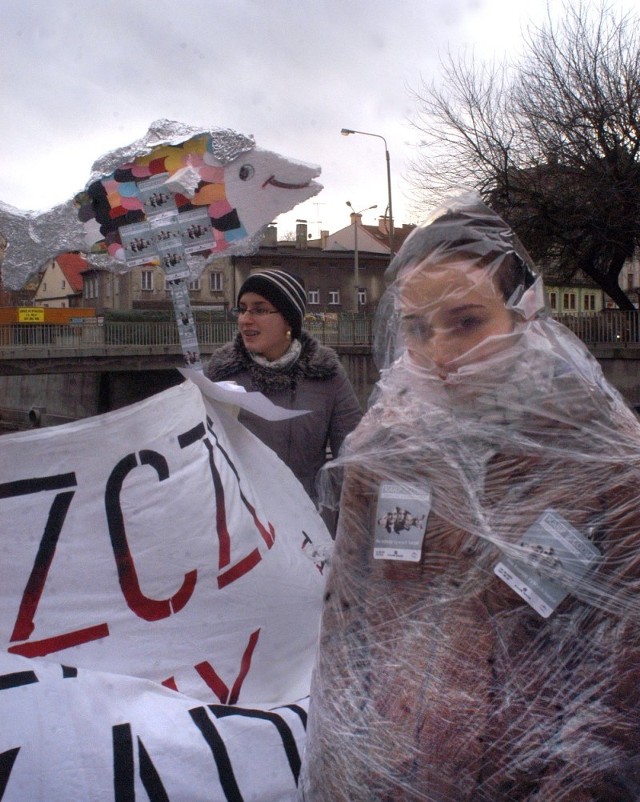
(257, 311)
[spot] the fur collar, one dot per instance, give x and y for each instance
(315, 362)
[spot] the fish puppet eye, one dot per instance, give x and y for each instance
(246, 172)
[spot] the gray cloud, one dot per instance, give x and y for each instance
(81, 78)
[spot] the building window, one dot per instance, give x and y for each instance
(569, 301)
(195, 285)
(589, 302)
(91, 287)
(216, 282)
(334, 297)
(313, 296)
(629, 281)
(146, 280)
(63, 284)
(362, 296)
(553, 300)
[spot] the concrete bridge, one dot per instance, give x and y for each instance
(53, 374)
(49, 374)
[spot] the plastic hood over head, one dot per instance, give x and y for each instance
(468, 234)
(481, 634)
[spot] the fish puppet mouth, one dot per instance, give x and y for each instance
(273, 181)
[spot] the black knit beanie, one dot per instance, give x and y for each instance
(284, 290)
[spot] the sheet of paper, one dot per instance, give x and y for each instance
(229, 393)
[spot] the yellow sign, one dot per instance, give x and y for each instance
(31, 314)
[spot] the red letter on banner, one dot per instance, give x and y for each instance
(24, 625)
(143, 606)
(217, 685)
(267, 533)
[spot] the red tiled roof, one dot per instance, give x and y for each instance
(399, 235)
(72, 264)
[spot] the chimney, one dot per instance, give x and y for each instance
(270, 239)
(301, 233)
(324, 236)
(383, 224)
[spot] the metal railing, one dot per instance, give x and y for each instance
(115, 335)
(353, 330)
(612, 327)
(609, 327)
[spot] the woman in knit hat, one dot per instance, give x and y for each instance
(273, 355)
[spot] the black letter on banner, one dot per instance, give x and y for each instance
(123, 787)
(32, 593)
(142, 606)
(219, 752)
(284, 731)
(7, 759)
(17, 678)
(150, 777)
(124, 769)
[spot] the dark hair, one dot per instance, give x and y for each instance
(475, 232)
(511, 274)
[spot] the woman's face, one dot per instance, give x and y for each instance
(450, 312)
(263, 334)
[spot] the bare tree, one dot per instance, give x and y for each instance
(552, 141)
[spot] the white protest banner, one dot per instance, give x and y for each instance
(162, 541)
(74, 735)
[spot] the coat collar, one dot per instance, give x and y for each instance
(315, 362)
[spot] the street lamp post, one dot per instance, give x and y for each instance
(346, 132)
(356, 288)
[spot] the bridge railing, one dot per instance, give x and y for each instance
(350, 331)
(613, 327)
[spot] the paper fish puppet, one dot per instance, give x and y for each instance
(178, 197)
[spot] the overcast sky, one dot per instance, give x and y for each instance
(82, 77)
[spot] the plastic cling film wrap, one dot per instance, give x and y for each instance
(504, 664)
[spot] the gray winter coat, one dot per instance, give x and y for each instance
(316, 381)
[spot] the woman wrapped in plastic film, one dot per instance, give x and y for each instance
(481, 637)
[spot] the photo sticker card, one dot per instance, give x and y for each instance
(554, 558)
(139, 245)
(401, 521)
(196, 232)
(157, 199)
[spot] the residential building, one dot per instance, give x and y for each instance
(582, 294)
(148, 288)
(331, 266)
(575, 297)
(629, 279)
(60, 284)
(327, 265)
(21, 297)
